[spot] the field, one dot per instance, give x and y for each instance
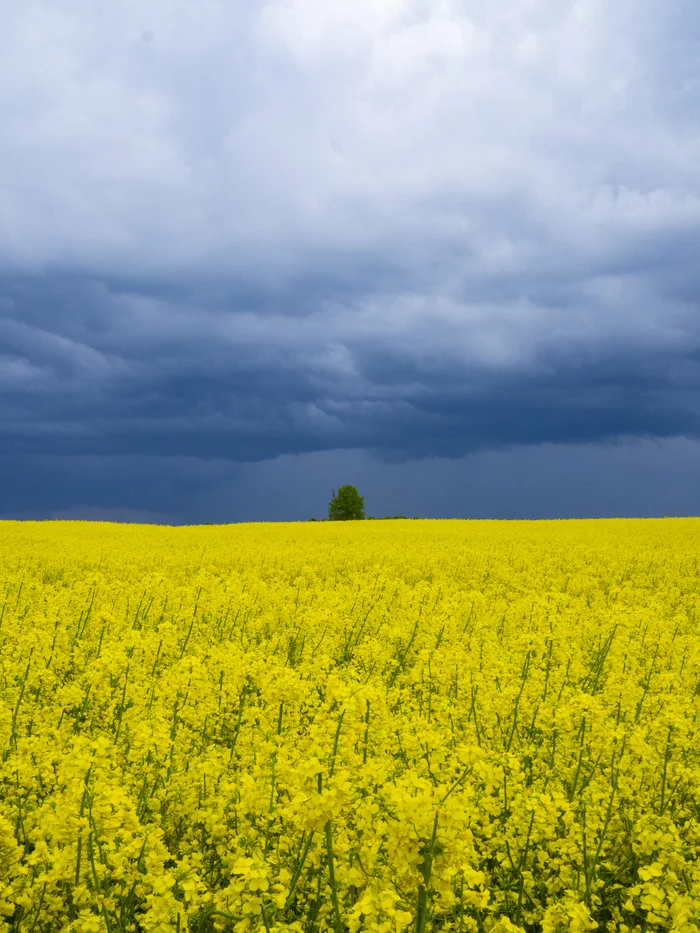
(383, 726)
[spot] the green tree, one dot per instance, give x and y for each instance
(346, 505)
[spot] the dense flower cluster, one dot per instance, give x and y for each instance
(455, 726)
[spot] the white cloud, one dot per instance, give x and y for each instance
(184, 136)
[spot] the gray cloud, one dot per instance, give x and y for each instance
(635, 478)
(238, 232)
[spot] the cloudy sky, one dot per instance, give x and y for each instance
(445, 250)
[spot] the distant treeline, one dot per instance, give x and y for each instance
(371, 518)
(348, 505)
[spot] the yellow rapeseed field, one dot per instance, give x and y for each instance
(382, 726)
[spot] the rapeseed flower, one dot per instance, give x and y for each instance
(452, 726)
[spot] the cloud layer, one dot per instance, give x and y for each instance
(237, 231)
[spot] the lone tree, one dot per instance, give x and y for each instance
(347, 504)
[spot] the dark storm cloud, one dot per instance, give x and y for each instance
(87, 371)
(419, 230)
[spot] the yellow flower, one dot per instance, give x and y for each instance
(441, 725)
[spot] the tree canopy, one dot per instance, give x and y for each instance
(346, 505)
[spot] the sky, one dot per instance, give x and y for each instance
(446, 251)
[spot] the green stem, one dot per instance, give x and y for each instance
(331, 875)
(423, 887)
